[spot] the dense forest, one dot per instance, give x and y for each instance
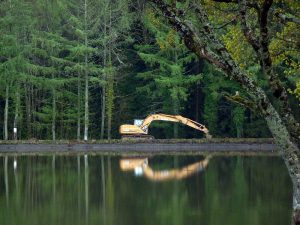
(77, 69)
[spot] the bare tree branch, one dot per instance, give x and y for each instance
(264, 35)
(241, 101)
(277, 87)
(227, 23)
(249, 34)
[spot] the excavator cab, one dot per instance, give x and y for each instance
(139, 123)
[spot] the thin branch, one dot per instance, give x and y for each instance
(250, 36)
(287, 18)
(263, 21)
(227, 23)
(117, 56)
(277, 88)
(241, 101)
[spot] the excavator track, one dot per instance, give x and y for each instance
(137, 137)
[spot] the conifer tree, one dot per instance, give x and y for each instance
(167, 60)
(110, 33)
(15, 26)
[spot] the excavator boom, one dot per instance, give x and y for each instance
(135, 130)
(173, 118)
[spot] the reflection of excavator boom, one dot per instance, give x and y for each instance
(141, 167)
(141, 130)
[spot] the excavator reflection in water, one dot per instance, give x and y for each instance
(140, 127)
(141, 167)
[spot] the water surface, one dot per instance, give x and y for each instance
(99, 190)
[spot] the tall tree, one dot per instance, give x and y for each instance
(115, 23)
(14, 41)
(166, 60)
(203, 41)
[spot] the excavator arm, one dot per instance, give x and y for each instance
(142, 129)
(173, 118)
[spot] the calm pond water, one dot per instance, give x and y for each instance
(179, 190)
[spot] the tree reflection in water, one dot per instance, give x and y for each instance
(94, 190)
(6, 180)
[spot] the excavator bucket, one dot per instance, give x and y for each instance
(208, 136)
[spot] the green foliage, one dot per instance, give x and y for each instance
(134, 64)
(165, 75)
(285, 54)
(237, 46)
(222, 117)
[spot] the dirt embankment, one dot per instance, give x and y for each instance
(162, 141)
(138, 147)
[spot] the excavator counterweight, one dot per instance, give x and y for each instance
(129, 131)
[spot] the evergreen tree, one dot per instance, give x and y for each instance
(15, 24)
(166, 76)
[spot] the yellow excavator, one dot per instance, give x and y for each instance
(141, 167)
(140, 127)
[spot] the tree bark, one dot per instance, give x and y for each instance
(103, 112)
(53, 114)
(6, 113)
(103, 105)
(33, 109)
(176, 112)
(78, 106)
(110, 99)
(16, 119)
(176, 103)
(86, 98)
(110, 81)
(86, 108)
(28, 110)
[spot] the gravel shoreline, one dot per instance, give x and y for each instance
(171, 146)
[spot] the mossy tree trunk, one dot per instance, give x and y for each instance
(204, 43)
